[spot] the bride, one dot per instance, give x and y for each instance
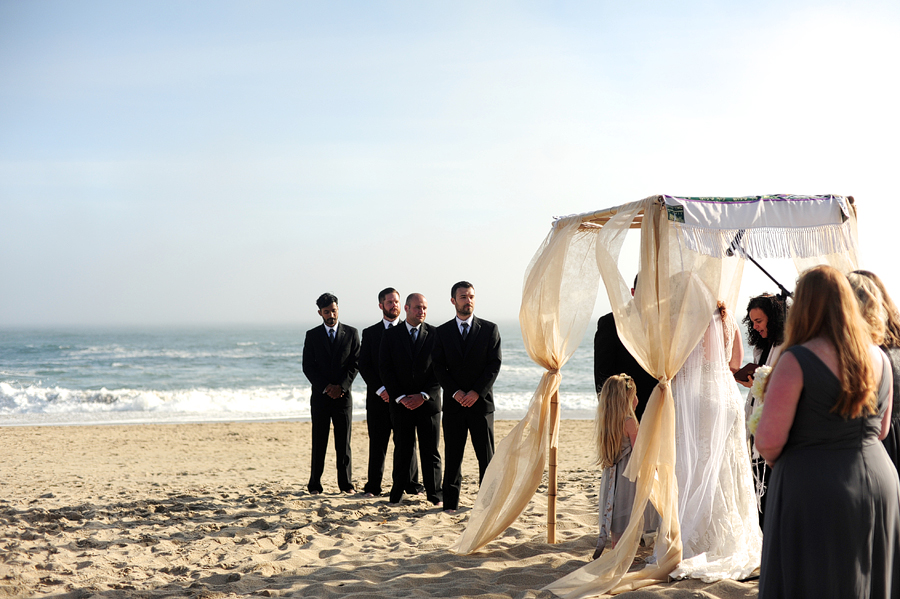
(716, 502)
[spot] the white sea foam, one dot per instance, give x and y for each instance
(35, 404)
(34, 399)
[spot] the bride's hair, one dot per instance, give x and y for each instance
(824, 306)
(614, 406)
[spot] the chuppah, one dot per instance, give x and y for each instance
(691, 256)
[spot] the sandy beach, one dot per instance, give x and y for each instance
(221, 510)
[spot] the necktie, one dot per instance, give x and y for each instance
(465, 330)
(413, 333)
(331, 335)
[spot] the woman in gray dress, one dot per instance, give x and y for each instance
(832, 525)
(891, 346)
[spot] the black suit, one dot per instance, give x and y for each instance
(406, 369)
(378, 413)
(467, 365)
(611, 357)
(326, 363)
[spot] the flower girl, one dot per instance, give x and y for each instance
(615, 433)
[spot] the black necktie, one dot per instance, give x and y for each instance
(465, 330)
(413, 332)
(331, 336)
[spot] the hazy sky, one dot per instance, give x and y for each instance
(226, 162)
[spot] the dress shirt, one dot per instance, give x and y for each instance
(409, 329)
(460, 321)
(387, 324)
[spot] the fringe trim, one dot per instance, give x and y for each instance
(767, 242)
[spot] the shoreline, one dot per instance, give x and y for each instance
(221, 510)
(144, 418)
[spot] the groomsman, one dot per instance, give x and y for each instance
(466, 362)
(330, 362)
(415, 398)
(378, 412)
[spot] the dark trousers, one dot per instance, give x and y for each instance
(378, 423)
(457, 427)
(324, 414)
(409, 425)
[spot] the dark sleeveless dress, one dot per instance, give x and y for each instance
(892, 441)
(833, 513)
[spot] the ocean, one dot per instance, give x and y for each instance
(132, 376)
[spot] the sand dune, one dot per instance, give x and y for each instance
(221, 510)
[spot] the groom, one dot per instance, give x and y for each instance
(611, 357)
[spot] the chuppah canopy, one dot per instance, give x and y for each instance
(691, 256)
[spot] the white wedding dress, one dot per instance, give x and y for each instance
(716, 500)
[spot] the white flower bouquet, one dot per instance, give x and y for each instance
(756, 392)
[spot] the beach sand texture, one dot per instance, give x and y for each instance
(221, 510)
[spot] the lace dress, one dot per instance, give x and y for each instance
(716, 499)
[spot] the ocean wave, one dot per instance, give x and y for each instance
(243, 350)
(35, 399)
(186, 404)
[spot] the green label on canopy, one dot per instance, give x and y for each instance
(675, 213)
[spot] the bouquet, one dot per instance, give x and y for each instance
(756, 393)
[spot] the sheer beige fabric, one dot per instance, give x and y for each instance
(677, 291)
(558, 299)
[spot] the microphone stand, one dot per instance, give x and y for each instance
(736, 244)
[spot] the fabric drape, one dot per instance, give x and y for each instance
(676, 292)
(558, 299)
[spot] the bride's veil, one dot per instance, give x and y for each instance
(719, 527)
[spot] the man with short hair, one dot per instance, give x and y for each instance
(467, 361)
(378, 412)
(415, 398)
(330, 362)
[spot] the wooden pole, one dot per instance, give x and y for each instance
(551, 484)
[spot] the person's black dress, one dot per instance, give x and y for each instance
(833, 513)
(892, 441)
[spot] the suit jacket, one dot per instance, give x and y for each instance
(611, 357)
(368, 363)
(326, 364)
(470, 365)
(407, 370)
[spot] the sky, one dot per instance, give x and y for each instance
(213, 163)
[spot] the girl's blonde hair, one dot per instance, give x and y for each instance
(614, 406)
(871, 305)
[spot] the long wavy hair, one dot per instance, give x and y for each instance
(614, 406)
(871, 305)
(825, 306)
(892, 323)
(775, 310)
